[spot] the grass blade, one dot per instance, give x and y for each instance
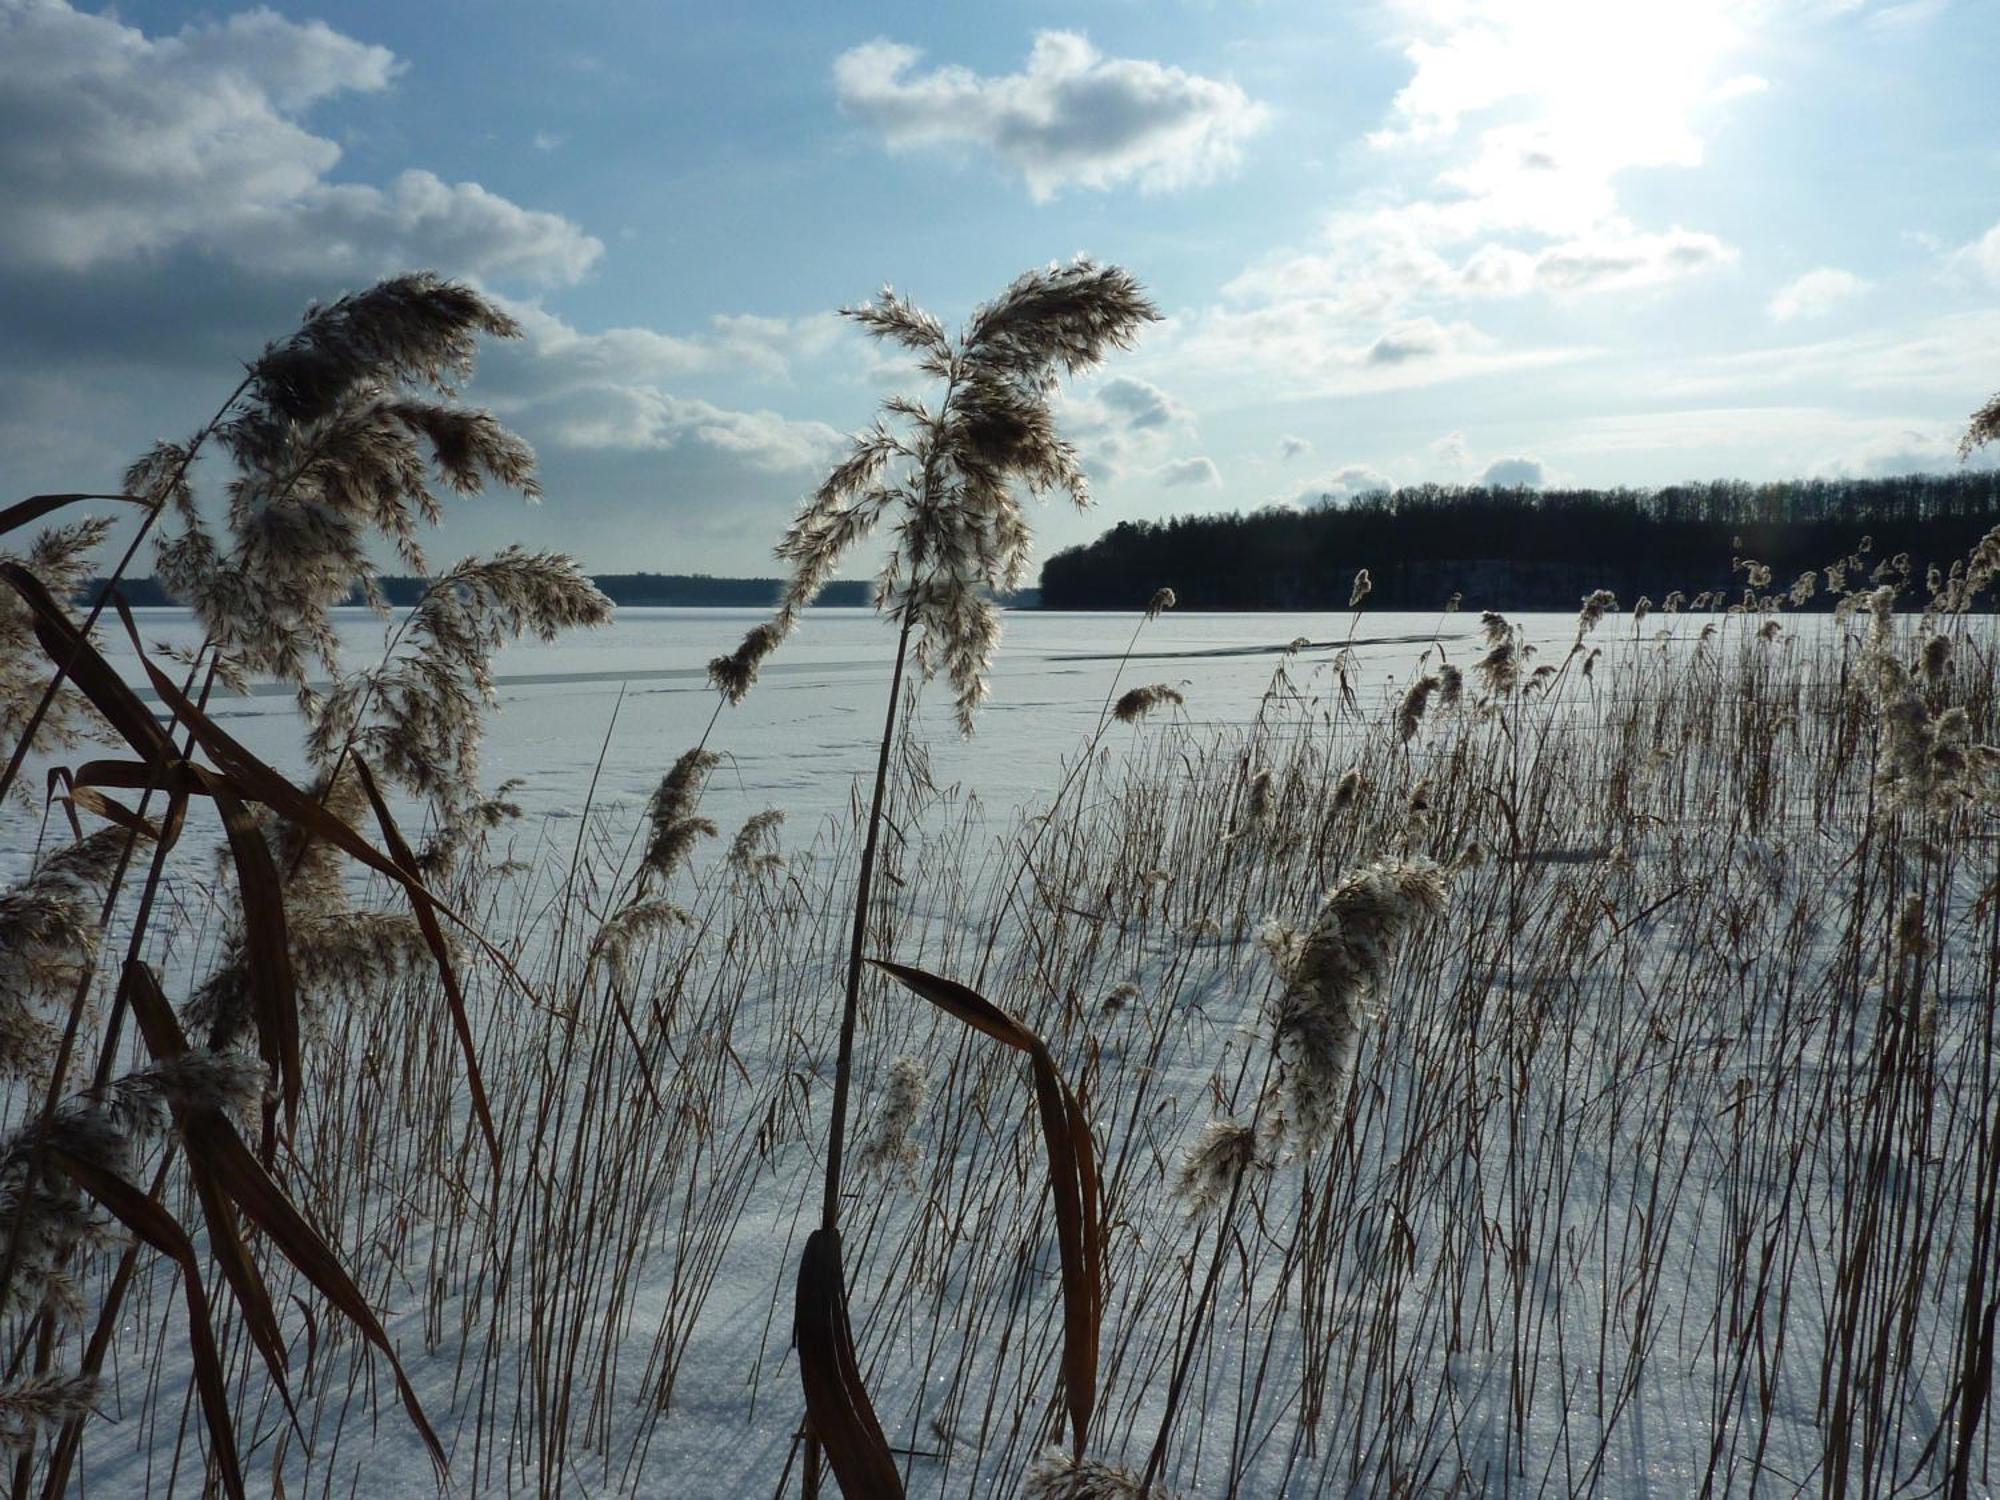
(156, 1227)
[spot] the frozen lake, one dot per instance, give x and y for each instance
(636, 692)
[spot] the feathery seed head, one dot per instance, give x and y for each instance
(1140, 701)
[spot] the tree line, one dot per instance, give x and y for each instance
(1524, 549)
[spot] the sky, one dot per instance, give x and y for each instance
(1513, 241)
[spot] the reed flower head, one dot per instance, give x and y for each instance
(1500, 667)
(1140, 701)
(1596, 605)
(1363, 587)
(735, 674)
(888, 1146)
(1341, 963)
(951, 475)
(1210, 1167)
(1348, 788)
(36, 1402)
(48, 938)
(1410, 713)
(754, 849)
(1162, 601)
(335, 440)
(621, 940)
(675, 823)
(1060, 1475)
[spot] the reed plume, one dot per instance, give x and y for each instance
(1140, 701)
(676, 826)
(1060, 1475)
(1211, 1165)
(889, 1147)
(48, 940)
(61, 557)
(1338, 965)
(754, 849)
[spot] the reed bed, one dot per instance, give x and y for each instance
(1668, 1161)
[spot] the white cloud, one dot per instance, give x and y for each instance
(1182, 472)
(642, 418)
(1071, 118)
(1918, 449)
(1345, 483)
(1516, 472)
(115, 146)
(1628, 260)
(1140, 402)
(1521, 116)
(610, 390)
(1981, 257)
(1316, 346)
(1814, 294)
(1290, 447)
(1123, 425)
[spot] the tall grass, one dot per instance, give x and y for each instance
(1663, 1155)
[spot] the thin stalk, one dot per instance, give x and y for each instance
(844, 1064)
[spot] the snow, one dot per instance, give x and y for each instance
(1611, 1109)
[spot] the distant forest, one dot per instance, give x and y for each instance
(1523, 549)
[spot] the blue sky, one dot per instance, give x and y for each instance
(1592, 241)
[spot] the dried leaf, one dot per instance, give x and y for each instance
(1072, 1179)
(837, 1402)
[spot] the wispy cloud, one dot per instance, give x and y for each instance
(1815, 294)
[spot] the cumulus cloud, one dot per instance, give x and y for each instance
(1140, 402)
(1814, 294)
(1344, 483)
(1187, 471)
(1071, 118)
(116, 145)
(1123, 425)
(1290, 447)
(1514, 473)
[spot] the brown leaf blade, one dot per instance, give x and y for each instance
(266, 947)
(837, 1402)
(165, 1041)
(157, 1227)
(27, 512)
(236, 1171)
(71, 651)
(1072, 1180)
